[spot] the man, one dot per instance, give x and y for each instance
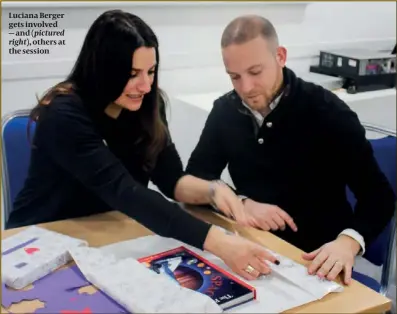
(291, 148)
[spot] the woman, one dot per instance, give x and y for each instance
(102, 134)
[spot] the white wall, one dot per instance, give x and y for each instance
(189, 35)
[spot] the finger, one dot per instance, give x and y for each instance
(348, 274)
(325, 268)
(279, 221)
(317, 262)
(245, 275)
(264, 226)
(261, 266)
(231, 215)
(264, 255)
(288, 219)
(222, 201)
(224, 208)
(310, 256)
(272, 224)
(237, 208)
(335, 271)
(253, 270)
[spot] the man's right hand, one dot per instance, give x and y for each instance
(267, 217)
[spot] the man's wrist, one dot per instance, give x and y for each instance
(354, 235)
(352, 243)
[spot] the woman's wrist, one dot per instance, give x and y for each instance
(215, 241)
(213, 187)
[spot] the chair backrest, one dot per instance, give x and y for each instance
(385, 153)
(16, 155)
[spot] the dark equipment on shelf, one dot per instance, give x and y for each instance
(361, 70)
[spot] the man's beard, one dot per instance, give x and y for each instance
(259, 104)
(266, 98)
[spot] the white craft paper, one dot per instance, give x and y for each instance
(297, 274)
(288, 286)
(33, 253)
(137, 288)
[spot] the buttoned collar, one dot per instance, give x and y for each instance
(258, 116)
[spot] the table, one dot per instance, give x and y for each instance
(114, 227)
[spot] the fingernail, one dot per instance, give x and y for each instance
(277, 262)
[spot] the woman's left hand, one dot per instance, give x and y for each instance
(229, 203)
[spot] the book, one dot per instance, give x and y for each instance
(192, 271)
(34, 253)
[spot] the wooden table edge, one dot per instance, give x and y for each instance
(216, 219)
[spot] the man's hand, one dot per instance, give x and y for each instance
(333, 258)
(267, 217)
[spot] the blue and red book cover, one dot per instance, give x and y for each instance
(192, 271)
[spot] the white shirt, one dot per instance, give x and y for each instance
(259, 118)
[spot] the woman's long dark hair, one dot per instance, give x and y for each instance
(103, 69)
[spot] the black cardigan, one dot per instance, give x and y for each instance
(79, 168)
(309, 148)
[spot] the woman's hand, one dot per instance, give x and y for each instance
(245, 258)
(192, 190)
(228, 202)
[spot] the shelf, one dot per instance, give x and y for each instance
(205, 100)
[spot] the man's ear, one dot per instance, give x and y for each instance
(281, 56)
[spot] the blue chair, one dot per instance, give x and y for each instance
(381, 251)
(16, 148)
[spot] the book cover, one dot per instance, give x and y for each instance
(34, 253)
(192, 271)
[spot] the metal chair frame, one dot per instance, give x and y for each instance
(7, 203)
(387, 265)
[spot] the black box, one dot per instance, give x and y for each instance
(362, 70)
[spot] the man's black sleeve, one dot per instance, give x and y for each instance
(208, 159)
(376, 202)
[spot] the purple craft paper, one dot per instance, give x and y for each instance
(73, 301)
(58, 281)
(59, 292)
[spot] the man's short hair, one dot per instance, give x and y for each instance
(245, 28)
